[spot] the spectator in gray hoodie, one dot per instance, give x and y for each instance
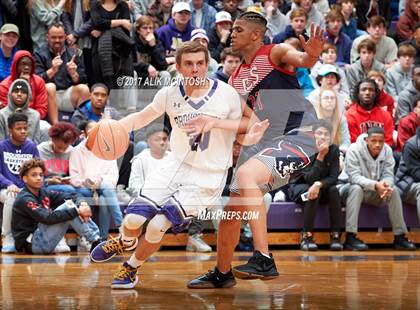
(407, 96)
(19, 96)
(367, 62)
(399, 75)
(369, 165)
(276, 20)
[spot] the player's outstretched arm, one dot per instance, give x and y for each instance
(140, 119)
(284, 53)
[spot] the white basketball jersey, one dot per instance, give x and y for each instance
(211, 150)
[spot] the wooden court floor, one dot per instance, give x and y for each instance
(378, 279)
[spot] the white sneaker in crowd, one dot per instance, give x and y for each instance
(83, 245)
(62, 247)
(196, 244)
(8, 244)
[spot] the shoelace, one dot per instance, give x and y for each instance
(124, 272)
(114, 245)
(256, 259)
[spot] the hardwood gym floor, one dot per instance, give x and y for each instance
(377, 279)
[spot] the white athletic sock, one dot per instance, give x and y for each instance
(127, 241)
(266, 255)
(134, 262)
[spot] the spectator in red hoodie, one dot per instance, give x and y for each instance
(407, 22)
(408, 125)
(386, 102)
(367, 113)
(23, 66)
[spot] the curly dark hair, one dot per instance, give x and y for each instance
(30, 164)
(357, 89)
(64, 131)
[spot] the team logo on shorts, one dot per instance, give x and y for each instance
(289, 158)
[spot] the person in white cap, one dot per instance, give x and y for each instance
(203, 15)
(9, 36)
(200, 36)
(178, 29)
(219, 36)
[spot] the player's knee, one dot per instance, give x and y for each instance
(243, 178)
(157, 228)
(134, 221)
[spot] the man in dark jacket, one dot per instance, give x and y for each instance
(408, 174)
(41, 218)
(219, 36)
(150, 54)
(316, 184)
(62, 70)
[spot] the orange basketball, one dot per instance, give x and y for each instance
(108, 139)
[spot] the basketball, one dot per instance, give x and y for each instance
(108, 140)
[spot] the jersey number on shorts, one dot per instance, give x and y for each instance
(200, 141)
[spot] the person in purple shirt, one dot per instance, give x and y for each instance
(177, 30)
(13, 152)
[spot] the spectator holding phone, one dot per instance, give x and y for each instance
(56, 154)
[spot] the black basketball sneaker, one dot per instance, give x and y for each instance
(257, 267)
(213, 279)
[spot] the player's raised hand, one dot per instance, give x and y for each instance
(316, 41)
(199, 124)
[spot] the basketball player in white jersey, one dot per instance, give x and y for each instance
(193, 177)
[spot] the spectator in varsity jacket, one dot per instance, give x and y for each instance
(9, 36)
(230, 60)
(408, 125)
(13, 152)
(19, 97)
(369, 165)
(178, 29)
(23, 67)
(41, 217)
(407, 96)
(408, 174)
(366, 112)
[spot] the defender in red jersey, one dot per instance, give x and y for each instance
(269, 91)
